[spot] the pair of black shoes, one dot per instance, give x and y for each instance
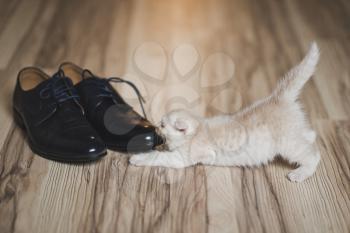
(74, 116)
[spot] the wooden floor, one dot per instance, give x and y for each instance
(213, 56)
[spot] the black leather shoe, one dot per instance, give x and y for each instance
(117, 123)
(49, 110)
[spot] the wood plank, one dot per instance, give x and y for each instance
(251, 42)
(15, 29)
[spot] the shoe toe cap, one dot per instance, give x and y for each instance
(92, 147)
(82, 145)
(145, 141)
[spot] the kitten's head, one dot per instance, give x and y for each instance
(178, 127)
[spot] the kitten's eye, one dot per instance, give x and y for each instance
(162, 124)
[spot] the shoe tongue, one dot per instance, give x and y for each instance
(92, 80)
(59, 76)
(87, 74)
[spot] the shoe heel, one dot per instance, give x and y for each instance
(18, 119)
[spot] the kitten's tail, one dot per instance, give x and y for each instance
(291, 84)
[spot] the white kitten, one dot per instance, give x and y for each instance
(272, 126)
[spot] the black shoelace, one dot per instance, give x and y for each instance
(61, 89)
(106, 92)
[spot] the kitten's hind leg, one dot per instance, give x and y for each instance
(308, 161)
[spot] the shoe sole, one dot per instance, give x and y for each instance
(51, 156)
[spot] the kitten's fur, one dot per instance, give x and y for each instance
(253, 136)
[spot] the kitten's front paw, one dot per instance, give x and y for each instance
(140, 160)
(298, 175)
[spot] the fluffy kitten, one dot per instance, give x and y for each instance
(272, 126)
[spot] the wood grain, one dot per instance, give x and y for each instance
(259, 40)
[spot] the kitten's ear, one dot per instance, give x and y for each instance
(181, 125)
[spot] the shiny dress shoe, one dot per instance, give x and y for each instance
(50, 112)
(117, 123)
